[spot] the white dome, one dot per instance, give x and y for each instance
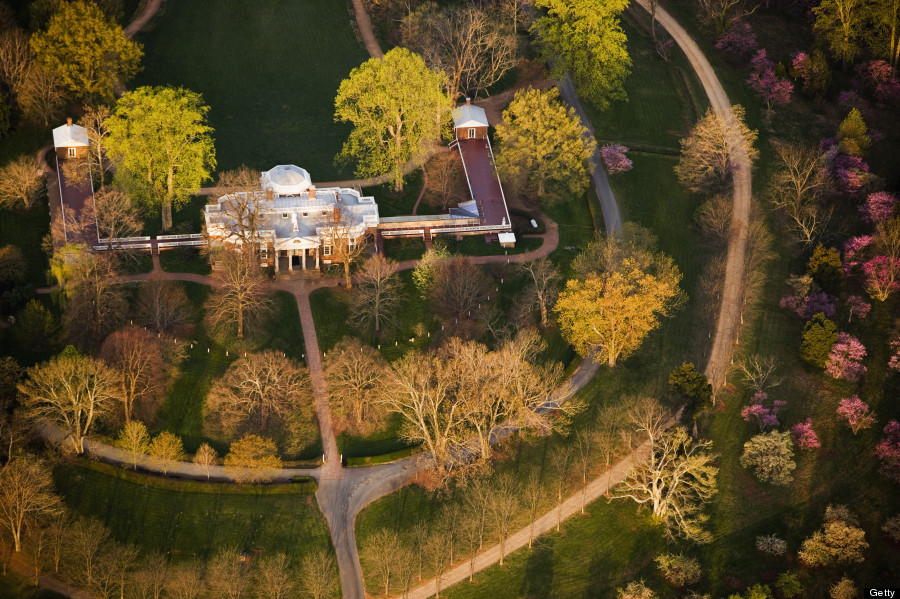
(286, 180)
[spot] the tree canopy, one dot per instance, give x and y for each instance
(163, 143)
(396, 105)
(89, 52)
(586, 40)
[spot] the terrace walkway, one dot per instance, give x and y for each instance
(478, 162)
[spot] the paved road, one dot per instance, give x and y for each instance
(149, 10)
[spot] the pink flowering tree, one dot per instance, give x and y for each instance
(664, 48)
(888, 451)
(762, 415)
(812, 70)
(853, 252)
(773, 89)
(850, 174)
(856, 412)
(882, 276)
(845, 359)
(804, 436)
(878, 207)
(876, 80)
(810, 305)
(858, 307)
(894, 362)
(615, 159)
(738, 41)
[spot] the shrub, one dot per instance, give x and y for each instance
(635, 590)
(844, 589)
(819, 335)
(615, 159)
(689, 385)
(771, 456)
(891, 528)
(771, 544)
(804, 436)
(678, 570)
(789, 585)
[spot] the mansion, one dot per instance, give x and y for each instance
(295, 225)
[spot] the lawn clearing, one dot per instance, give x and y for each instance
(25, 229)
(185, 259)
(269, 70)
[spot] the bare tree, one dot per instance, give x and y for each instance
(94, 122)
(226, 575)
(166, 448)
(504, 503)
(584, 444)
(86, 541)
(37, 545)
(41, 94)
(319, 574)
(608, 435)
(274, 579)
(796, 189)
(533, 495)
(257, 392)
(206, 458)
(355, 376)
(150, 581)
(445, 176)
(21, 183)
(95, 305)
(676, 480)
(545, 279)
(377, 554)
(26, 493)
(459, 286)
(378, 293)
(162, 304)
(69, 392)
(57, 531)
(185, 581)
(405, 568)
(722, 14)
(240, 195)
(343, 237)
(115, 216)
(713, 217)
(560, 458)
(477, 497)
(436, 556)
(239, 299)
(134, 439)
(136, 354)
(760, 372)
(15, 57)
(112, 570)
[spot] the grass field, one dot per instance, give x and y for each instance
(269, 70)
(185, 525)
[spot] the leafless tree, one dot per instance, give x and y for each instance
(471, 44)
(560, 458)
(459, 286)
(57, 531)
(86, 541)
(239, 299)
(760, 372)
(713, 217)
(477, 497)
(545, 279)
(185, 581)
(166, 448)
(134, 439)
(608, 435)
(343, 237)
(722, 14)
(585, 442)
(41, 94)
(162, 304)
(112, 570)
(445, 176)
(504, 503)
(274, 579)
(149, 581)
(436, 556)
(355, 376)
(206, 458)
(37, 546)
(94, 122)
(96, 304)
(15, 431)
(69, 392)
(226, 575)
(378, 293)
(21, 183)
(115, 215)
(136, 354)
(319, 575)
(533, 494)
(15, 57)
(796, 189)
(26, 493)
(405, 569)
(377, 554)
(257, 392)
(242, 195)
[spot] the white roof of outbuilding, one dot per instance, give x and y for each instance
(69, 136)
(469, 116)
(286, 180)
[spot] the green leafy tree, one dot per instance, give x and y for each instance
(542, 145)
(883, 31)
(161, 137)
(788, 585)
(853, 135)
(89, 52)
(397, 106)
(840, 541)
(839, 24)
(166, 448)
(771, 455)
(826, 270)
(586, 39)
(819, 335)
(689, 385)
(252, 459)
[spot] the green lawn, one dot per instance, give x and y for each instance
(269, 71)
(13, 586)
(184, 260)
(25, 229)
(188, 524)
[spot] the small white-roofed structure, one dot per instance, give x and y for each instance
(70, 141)
(470, 122)
(507, 240)
(286, 180)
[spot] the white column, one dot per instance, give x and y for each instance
(317, 258)
(290, 260)
(276, 259)
(303, 259)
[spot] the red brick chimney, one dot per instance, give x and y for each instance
(270, 195)
(68, 122)
(312, 192)
(468, 101)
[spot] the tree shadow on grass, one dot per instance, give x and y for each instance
(538, 579)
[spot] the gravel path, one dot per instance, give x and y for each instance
(150, 9)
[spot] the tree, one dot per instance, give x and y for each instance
(813, 69)
(723, 15)
(21, 183)
(678, 570)
(378, 293)
(635, 590)
(771, 456)
(852, 135)
(737, 41)
(884, 22)
(804, 436)
(36, 329)
(586, 39)
(689, 385)
(533, 494)
(819, 335)
(445, 175)
(161, 139)
(459, 287)
(137, 355)
(839, 24)
(226, 575)
(95, 305)
(615, 159)
(318, 572)
(845, 359)
(69, 392)
(26, 493)
(273, 577)
(608, 317)
(879, 207)
(840, 541)
(774, 90)
(543, 147)
(134, 439)
(150, 581)
(258, 393)
(239, 300)
(396, 106)
(676, 480)
(584, 445)
(343, 236)
(544, 280)
(888, 451)
(116, 216)
(15, 57)
(40, 94)
(252, 459)
(503, 503)
(94, 122)
(708, 153)
(378, 547)
(826, 269)
(166, 448)
(469, 44)
(86, 540)
(162, 304)
(13, 267)
(856, 412)
(239, 192)
(205, 458)
(90, 53)
(355, 376)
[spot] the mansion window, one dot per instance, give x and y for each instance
(70, 152)
(326, 250)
